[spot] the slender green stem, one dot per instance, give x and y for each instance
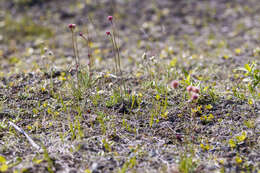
(73, 44)
(113, 49)
(75, 51)
(116, 47)
(116, 52)
(86, 38)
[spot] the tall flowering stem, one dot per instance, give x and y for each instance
(113, 50)
(75, 46)
(116, 50)
(88, 41)
(115, 45)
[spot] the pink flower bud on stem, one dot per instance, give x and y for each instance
(72, 26)
(110, 18)
(194, 96)
(189, 88)
(174, 84)
(195, 90)
(108, 33)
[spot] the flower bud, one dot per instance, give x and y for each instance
(195, 90)
(194, 96)
(108, 33)
(110, 18)
(72, 26)
(189, 88)
(175, 84)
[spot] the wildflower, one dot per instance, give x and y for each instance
(189, 88)
(108, 33)
(178, 136)
(81, 34)
(195, 90)
(72, 26)
(238, 160)
(194, 96)
(175, 84)
(45, 49)
(50, 53)
(110, 18)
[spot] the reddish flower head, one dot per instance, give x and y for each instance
(110, 18)
(108, 33)
(189, 88)
(194, 96)
(81, 34)
(72, 26)
(195, 90)
(178, 136)
(175, 84)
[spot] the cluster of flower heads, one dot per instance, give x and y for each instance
(72, 26)
(110, 34)
(109, 18)
(194, 91)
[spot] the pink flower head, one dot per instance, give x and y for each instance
(108, 33)
(195, 90)
(110, 18)
(175, 84)
(189, 88)
(194, 96)
(81, 34)
(72, 26)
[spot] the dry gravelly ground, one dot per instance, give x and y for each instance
(100, 131)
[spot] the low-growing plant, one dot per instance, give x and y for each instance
(107, 145)
(237, 139)
(210, 90)
(131, 163)
(4, 165)
(160, 104)
(187, 164)
(75, 128)
(127, 126)
(102, 122)
(205, 147)
(79, 87)
(251, 77)
(207, 118)
(48, 159)
(115, 98)
(238, 94)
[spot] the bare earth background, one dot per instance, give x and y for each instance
(152, 128)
